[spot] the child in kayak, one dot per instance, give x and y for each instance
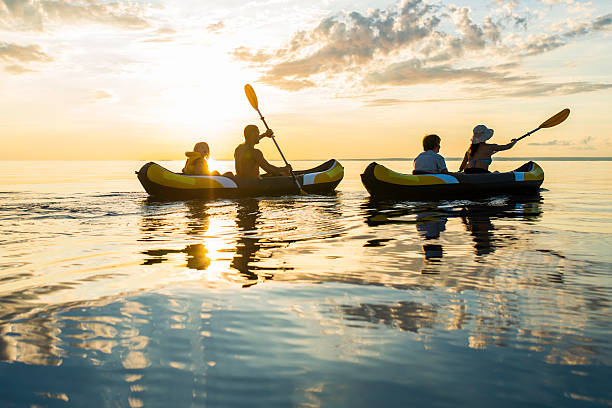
(478, 157)
(430, 161)
(196, 163)
(248, 160)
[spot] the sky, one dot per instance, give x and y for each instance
(146, 80)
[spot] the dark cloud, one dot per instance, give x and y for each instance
(542, 45)
(602, 23)
(439, 45)
(413, 73)
(546, 43)
(349, 40)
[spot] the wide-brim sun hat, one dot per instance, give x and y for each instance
(481, 134)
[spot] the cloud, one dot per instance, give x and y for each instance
(165, 34)
(586, 143)
(17, 69)
(414, 73)
(215, 28)
(27, 53)
(36, 14)
(349, 40)
(416, 43)
(394, 101)
(551, 143)
(101, 95)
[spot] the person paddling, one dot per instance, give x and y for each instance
(478, 157)
(248, 160)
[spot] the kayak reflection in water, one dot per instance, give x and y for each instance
(477, 219)
(248, 160)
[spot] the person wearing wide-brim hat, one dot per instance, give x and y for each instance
(478, 157)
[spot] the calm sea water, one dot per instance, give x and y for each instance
(109, 298)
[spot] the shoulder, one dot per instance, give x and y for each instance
(239, 149)
(437, 156)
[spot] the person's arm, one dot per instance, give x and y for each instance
(464, 162)
(267, 133)
(267, 167)
(237, 162)
(499, 148)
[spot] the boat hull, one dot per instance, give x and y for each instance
(160, 182)
(382, 182)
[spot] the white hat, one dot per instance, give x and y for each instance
(481, 134)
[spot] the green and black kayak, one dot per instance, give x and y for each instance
(160, 182)
(382, 182)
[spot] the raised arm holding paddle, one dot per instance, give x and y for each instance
(252, 97)
(478, 157)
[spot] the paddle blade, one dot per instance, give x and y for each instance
(555, 120)
(250, 94)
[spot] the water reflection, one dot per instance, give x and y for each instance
(196, 224)
(248, 243)
(430, 219)
(405, 315)
(196, 256)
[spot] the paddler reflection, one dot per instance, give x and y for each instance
(430, 225)
(429, 219)
(198, 221)
(477, 219)
(248, 243)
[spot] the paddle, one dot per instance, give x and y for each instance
(250, 94)
(553, 121)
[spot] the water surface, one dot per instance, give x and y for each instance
(107, 295)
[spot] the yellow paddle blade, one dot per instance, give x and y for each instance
(250, 93)
(555, 120)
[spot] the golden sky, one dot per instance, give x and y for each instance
(90, 79)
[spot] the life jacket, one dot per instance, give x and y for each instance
(192, 164)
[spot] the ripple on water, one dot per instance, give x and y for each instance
(304, 301)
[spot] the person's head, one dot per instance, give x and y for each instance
(431, 142)
(481, 134)
(251, 134)
(202, 148)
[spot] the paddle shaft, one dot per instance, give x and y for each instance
(552, 121)
(527, 134)
(279, 150)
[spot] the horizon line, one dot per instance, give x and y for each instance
(541, 158)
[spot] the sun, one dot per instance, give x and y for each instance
(204, 89)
